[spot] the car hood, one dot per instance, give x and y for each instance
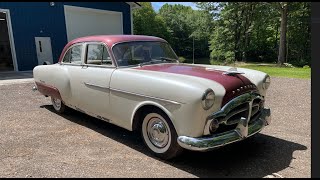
(233, 84)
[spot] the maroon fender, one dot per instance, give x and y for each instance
(48, 90)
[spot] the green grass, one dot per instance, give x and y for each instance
(271, 69)
(304, 73)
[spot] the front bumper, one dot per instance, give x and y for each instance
(242, 131)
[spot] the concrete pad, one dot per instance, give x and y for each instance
(13, 77)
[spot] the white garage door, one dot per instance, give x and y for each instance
(86, 21)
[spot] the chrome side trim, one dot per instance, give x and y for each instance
(146, 96)
(94, 85)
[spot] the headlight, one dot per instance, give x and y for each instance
(208, 99)
(266, 82)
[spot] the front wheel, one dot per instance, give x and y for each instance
(58, 105)
(159, 135)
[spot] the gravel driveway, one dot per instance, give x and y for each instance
(37, 142)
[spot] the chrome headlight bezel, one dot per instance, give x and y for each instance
(266, 82)
(207, 99)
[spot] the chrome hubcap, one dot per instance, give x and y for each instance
(56, 103)
(157, 132)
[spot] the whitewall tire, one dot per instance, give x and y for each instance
(58, 105)
(159, 135)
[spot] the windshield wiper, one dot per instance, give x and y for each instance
(168, 59)
(160, 59)
(148, 62)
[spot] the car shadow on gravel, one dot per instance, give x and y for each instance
(257, 156)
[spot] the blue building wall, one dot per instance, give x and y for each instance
(39, 19)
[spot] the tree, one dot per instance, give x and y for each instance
(257, 31)
(147, 22)
(233, 31)
(233, 25)
(299, 33)
(283, 33)
(186, 24)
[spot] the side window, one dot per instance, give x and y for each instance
(97, 54)
(66, 58)
(73, 55)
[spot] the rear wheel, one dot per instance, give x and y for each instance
(159, 135)
(58, 105)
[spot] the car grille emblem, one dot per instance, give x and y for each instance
(242, 88)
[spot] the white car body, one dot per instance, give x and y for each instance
(115, 94)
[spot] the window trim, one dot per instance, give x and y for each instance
(86, 44)
(73, 64)
(129, 66)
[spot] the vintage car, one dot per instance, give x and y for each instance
(136, 82)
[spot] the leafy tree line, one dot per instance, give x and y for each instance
(232, 31)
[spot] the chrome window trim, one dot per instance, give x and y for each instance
(69, 64)
(163, 41)
(98, 66)
(71, 46)
(113, 65)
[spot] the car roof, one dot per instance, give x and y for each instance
(110, 40)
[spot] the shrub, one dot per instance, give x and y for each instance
(229, 56)
(288, 65)
(181, 59)
(214, 62)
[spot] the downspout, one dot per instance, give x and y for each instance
(131, 16)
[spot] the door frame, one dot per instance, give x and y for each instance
(11, 39)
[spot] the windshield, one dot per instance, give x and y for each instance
(143, 52)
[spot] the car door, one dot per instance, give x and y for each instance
(94, 76)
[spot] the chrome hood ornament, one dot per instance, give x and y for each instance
(232, 71)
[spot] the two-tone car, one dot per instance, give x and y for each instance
(136, 82)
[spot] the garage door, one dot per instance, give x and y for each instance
(86, 21)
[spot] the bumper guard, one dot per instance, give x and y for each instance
(242, 131)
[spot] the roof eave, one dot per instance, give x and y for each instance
(134, 5)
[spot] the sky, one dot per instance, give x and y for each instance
(157, 5)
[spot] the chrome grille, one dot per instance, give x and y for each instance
(246, 106)
(234, 116)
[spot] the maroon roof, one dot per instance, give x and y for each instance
(111, 40)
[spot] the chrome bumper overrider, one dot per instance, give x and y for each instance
(34, 88)
(242, 131)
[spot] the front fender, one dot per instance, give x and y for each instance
(152, 103)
